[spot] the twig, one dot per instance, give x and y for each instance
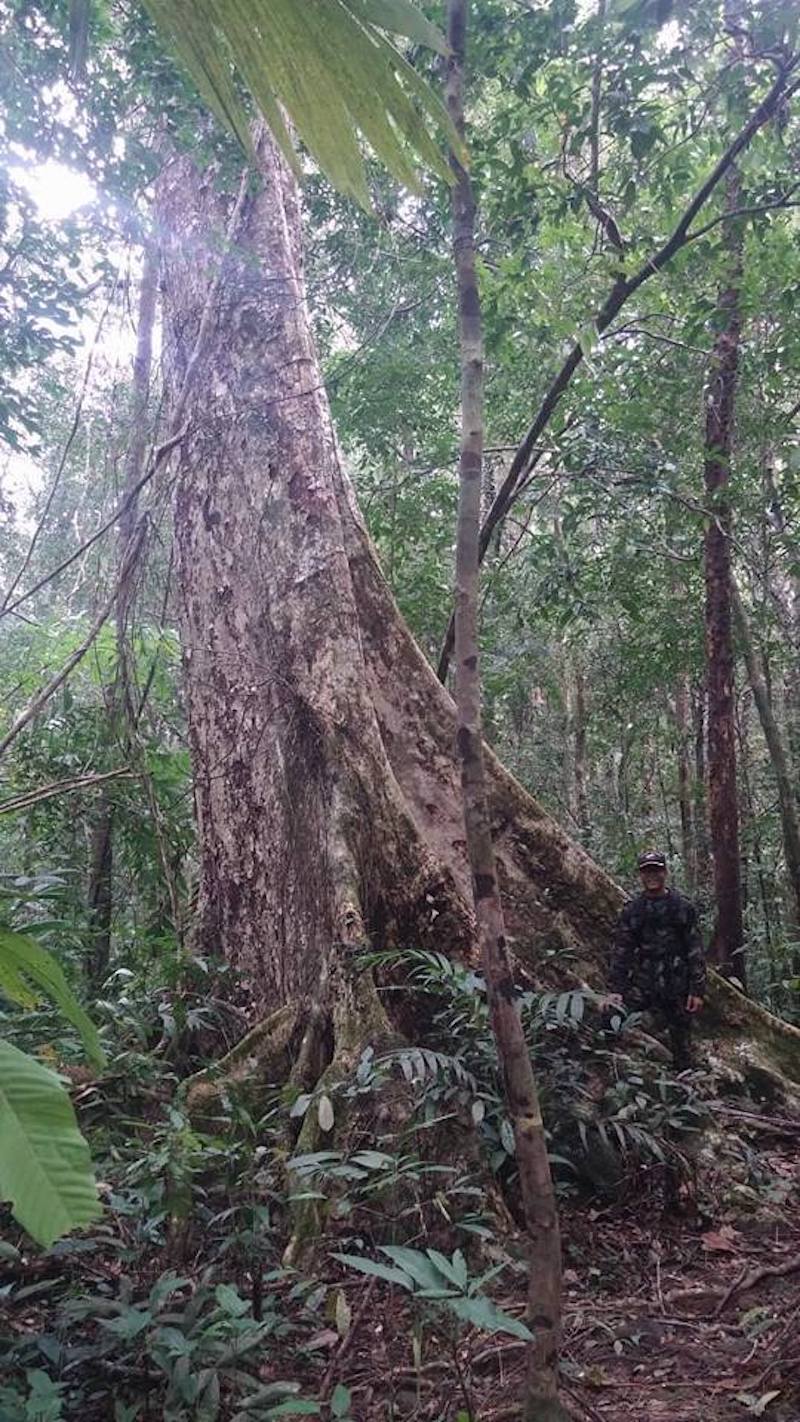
(581, 1402)
(40, 700)
(76, 420)
(779, 205)
(780, 1123)
(159, 455)
(347, 1341)
(748, 1281)
(62, 787)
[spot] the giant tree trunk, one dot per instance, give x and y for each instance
(727, 945)
(327, 792)
(328, 797)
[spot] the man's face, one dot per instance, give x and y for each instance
(654, 878)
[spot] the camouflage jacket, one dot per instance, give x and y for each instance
(658, 950)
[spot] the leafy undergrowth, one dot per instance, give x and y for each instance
(681, 1238)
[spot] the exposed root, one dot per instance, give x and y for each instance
(358, 1020)
(762, 1043)
(262, 1058)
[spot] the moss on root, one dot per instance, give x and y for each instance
(262, 1058)
(751, 1033)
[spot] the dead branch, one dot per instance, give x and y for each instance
(62, 787)
(747, 1281)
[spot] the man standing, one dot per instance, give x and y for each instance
(658, 964)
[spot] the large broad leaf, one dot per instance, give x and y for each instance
(329, 65)
(45, 1169)
(24, 962)
(484, 1314)
(376, 1270)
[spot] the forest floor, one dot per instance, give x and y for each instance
(682, 1306)
(668, 1318)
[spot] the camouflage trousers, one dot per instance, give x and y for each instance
(670, 1015)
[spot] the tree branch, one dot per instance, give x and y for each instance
(42, 697)
(62, 787)
(623, 288)
(74, 427)
(159, 455)
(778, 205)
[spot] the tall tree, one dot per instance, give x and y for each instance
(779, 757)
(327, 792)
(541, 1216)
(119, 701)
(720, 396)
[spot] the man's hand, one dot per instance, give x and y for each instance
(614, 999)
(694, 1004)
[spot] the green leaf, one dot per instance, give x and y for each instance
(587, 338)
(325, 1113)
(376, 1269)
(330, 65)
(22, 958)
(340, 1401)
(373, 1159)
(130, 1323)
(507, 1137)
(416, 1264)
(343, 1314)
(263, 1395)
(231, 1301)
(173, 1341)
(455, 1271)
(45, 1168)
(399, 17)
(484, 1314)
(295, 1407)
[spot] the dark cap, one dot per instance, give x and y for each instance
(652, 859)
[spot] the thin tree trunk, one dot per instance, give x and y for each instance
(688, 848)
(727, 942)
(541, 1217)
(749, 811)
(579, 748)
(119, 704)
(702, 845)
(99, 896)
(597, 95)
(790, 825)
(135, 462)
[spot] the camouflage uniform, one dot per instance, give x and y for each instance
(658, 962)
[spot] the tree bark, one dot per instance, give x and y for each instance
(727, 942)
(541, 1217)
(702, 846)
(682, 727)
(581, 797)
(99, 895)
(327, 794)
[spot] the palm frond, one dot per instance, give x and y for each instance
(331, 66)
